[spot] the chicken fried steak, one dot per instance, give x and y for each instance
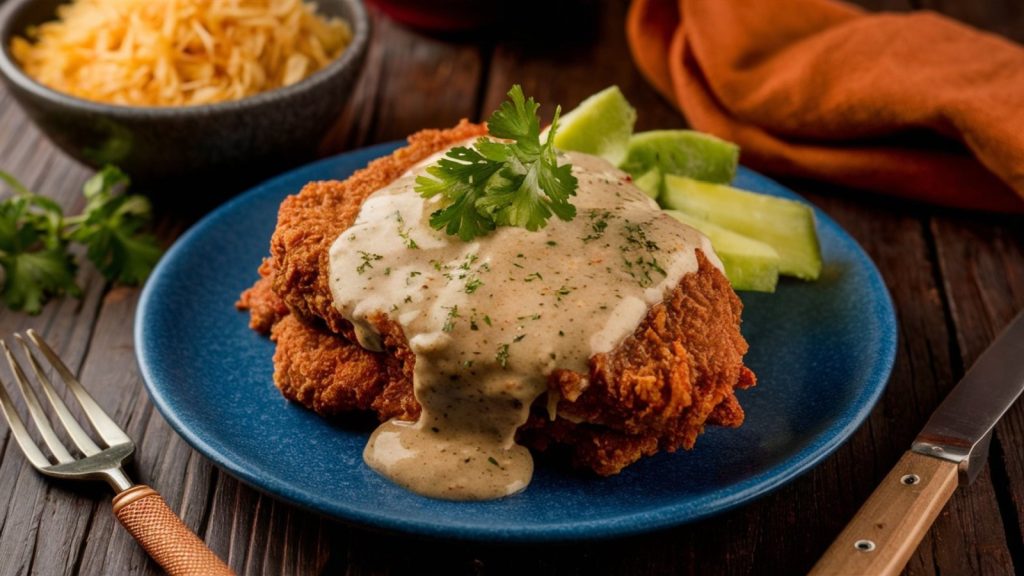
(656, 390)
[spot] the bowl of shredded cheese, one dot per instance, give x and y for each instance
(174, 89)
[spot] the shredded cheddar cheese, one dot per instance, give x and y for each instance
(179, 52)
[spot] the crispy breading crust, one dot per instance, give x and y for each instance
(656, 391)
(310, 221)
(265, 307)
(325, 372)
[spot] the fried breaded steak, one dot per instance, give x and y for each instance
(656, 391)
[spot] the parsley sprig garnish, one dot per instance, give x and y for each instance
(35, 237)
(498, 183)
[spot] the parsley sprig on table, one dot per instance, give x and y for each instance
(517, 182)
(35, 238)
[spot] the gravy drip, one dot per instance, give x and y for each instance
(489, 320)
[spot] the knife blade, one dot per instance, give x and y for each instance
(959, 428)
(949, 451)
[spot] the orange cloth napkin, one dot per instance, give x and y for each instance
(913, 104)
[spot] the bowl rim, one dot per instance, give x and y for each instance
(350, 57)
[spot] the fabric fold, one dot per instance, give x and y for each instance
(910, 104)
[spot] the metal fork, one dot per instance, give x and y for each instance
(139, 508)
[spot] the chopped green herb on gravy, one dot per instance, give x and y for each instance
(578, 289)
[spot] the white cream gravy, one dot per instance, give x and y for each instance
(489, 320)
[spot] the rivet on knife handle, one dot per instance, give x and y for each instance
(887, 529)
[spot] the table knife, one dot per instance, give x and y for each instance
(950, 451)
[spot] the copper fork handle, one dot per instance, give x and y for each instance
(143, 512)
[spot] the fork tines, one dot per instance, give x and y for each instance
(105, 427)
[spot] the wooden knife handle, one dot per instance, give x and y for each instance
(143, 512)
(889, 526)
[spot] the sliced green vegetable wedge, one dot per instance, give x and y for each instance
(749, 264)
(601, 125)
(683, 153)
(649, 182)
(785, 225)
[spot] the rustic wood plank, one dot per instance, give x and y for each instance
(982, 263)
(410, 82)
(71, 514)
(926, 369)
(982, 266)
(558, 63)
(42, 520)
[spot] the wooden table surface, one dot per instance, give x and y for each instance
(956, 280)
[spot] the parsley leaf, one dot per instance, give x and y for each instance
(460, 180)
(110, 226)
(500, 183)
(32, 252)
(32, 277)
(34, 239)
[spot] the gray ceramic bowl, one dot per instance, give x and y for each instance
(249, 137)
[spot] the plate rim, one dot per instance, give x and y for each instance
(823, 444)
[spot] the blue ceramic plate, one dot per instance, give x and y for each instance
(822, 352)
